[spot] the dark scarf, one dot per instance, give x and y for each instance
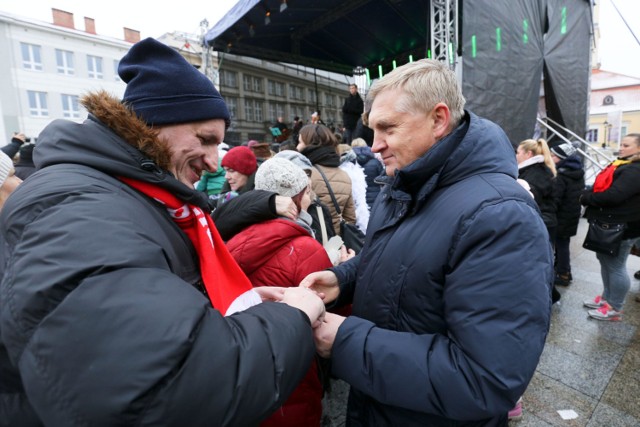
(322, 155)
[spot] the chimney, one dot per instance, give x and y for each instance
(89, 25)
(62, 18)
(131, 36)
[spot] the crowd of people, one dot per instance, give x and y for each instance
(151, 274)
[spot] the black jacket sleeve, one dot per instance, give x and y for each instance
(240, 212)
(12, 148)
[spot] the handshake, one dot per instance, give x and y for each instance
(314, 292)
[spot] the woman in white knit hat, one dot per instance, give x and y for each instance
(8, 181)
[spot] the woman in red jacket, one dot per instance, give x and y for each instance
(281, 252)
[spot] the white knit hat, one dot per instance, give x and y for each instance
(281, 176)
(5, 167)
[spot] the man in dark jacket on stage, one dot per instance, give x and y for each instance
(351, 111)
(115, 283)
(451, 292)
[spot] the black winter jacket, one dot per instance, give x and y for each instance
(102, 317)
(620, 202)
(569, 184)
(451, 292)
(372, 169)
(351, 110)
(541, 181)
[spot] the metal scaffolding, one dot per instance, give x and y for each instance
(444, 31)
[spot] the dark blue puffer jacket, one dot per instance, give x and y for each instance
(451, 293)
(372, 169)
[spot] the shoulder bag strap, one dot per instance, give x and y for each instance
(323, 226)
(333, 197)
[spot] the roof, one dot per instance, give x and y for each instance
(333, 35)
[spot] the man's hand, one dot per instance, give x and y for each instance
(346, 254)
(270, 293)
(323, 282)
(306, 300)
(325, 334)
(286, 207)
(20, 136)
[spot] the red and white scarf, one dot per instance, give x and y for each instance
(228, 288)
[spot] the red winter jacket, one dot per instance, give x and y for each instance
(280, 252)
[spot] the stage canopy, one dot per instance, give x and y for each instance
(332, 35)
(508, 48)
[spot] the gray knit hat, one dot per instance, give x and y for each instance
(5, 167)
(296, 158)
(281, 176)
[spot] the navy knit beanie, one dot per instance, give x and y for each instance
(163, 88)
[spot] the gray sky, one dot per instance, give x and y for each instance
(618, 50)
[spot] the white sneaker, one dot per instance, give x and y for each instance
(597, 302)
(606, 312)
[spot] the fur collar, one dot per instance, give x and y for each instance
(123, 121)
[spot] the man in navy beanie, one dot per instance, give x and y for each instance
(120, 304)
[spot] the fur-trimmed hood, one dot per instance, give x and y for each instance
(114, 141)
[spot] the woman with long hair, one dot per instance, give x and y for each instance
(319, 145)
(615, 198)
(536, 167)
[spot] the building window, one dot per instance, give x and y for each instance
(296, 92)
(329, 100)
(248, 110)
(592, 135)
(253, 110)
(64, 61)
(298, 111)
(246, 83)
(38, 103)
(70, 106)
(232, 106)
(312, 96)
(275, 110)
(228, 78)
(116, 63)
(252, 84)
(31, 59)
(94, 67)
(257, 108)
(276, 88)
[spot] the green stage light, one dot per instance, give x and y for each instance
(525, 29)
(380, 71)
(410, 58)
(498, 39)
(473, 46)
(394, 64)
(563, 25)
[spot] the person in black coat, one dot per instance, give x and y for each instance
(615, 198)
(372, 168)
(351, 110)
(25, 166)
(12, 148)
(111, 280)
(536, 167)
(363, 132)
(568, 185)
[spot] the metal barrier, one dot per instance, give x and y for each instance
(595, 159)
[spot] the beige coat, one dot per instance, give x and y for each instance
(341, 186)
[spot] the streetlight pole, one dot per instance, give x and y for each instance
(606, 127)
